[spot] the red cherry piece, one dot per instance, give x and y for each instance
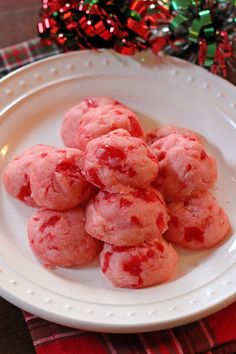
(68, 167)
(25, 190)
(188, 168)
(203, 155)
(44, 154)
(106, 262)
(161, 156)
(193, 234)
(136, 130)
(135, 221)
(150, 253)
(125, 202)
(160, 222)
(146, 195)
(50, 222)
(93, 178)
(110, 155)
(133, 266)
(159, 247)
(175, 221)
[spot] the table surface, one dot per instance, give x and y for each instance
(18, 20)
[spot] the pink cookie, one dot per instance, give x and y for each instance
(16, 175)
(116, 161)
(75, 114)
(56, 180)
(198, 223)
(158, 133)
(139, 266)
(59, 239)
(185, 167)
(104, 116)
(127, 220)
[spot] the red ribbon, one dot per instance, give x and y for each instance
(223, 52)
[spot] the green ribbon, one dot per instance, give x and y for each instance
(135, 15)
(178, 5)
(177, 21)
(197, 25)
(91, 2)
(55, 14)
(209, 32)
(211, 49)
(194, 15)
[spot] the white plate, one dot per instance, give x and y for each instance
(161, 90)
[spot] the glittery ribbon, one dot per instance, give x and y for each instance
(202, 31)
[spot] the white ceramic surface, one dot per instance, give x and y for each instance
(161, 90)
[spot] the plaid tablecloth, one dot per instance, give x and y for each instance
(13, 57)
(215, 334)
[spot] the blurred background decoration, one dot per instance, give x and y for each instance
(202, 31)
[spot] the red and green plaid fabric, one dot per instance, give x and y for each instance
(13, 57)
(215, 334)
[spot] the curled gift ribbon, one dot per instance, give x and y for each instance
(202, 31)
